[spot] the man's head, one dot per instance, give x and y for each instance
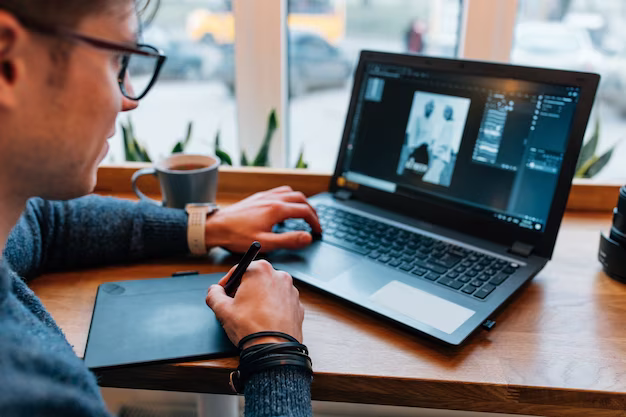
(429, 108)
(59, 98)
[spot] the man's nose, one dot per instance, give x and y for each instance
(127, 103)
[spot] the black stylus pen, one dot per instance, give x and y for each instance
(235, 279)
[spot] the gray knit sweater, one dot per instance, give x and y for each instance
(39, 373)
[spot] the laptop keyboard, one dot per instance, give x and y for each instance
(423, 257)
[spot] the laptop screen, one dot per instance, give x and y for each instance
(493, 145)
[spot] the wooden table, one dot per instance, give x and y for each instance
(558, 350)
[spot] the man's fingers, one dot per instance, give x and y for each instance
(296, 197)
(226, 277)
(218, 301)
(301, 211)
(288, 240)
(280, 190)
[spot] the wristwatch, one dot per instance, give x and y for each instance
(196, 225)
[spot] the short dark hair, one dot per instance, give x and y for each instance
(63, 13)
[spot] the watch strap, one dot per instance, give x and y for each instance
(196, 228)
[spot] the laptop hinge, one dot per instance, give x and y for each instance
(343, 195)
(521, 249)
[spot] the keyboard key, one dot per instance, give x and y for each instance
(499, 279)
(510, 269)
(455, 284)
(464, 278)
(476, 283)
(468, 289)
(384, 259)
(484, 291)
(447, 261)
(345, 245)
(471, 273)
(432, 276)
(452, 274)
(457, 252)
(419, 272)
(445, 281)
(406, 266)
(374, 255)
(394, 262)
(483, 277)
(429, 265)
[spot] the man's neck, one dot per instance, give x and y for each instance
(11, 208)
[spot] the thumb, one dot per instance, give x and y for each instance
(288, 240)
(218, 301)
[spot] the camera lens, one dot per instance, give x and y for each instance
(612, 251)
(618, 229)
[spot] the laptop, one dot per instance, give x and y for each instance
(449, 189)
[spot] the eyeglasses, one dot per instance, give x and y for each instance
(140, 64)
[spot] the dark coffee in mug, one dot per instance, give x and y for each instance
(188, 167)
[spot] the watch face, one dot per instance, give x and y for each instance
(211, 206)
(191, 205)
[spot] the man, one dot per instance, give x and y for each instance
(441, 150)
(419, 137)
(60, 61)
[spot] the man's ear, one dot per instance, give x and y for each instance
(12, 39)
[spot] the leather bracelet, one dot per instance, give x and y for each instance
(264, 356)
(260, 335)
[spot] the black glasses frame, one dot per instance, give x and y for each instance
(108, 45)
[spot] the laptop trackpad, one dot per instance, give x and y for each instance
(319, 261)
(419, 305)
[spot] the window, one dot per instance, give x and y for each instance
(324, 41)
(582, 35)
(321, 44)
(196, 83)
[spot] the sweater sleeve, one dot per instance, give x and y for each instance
(279, 392)
(92, 231)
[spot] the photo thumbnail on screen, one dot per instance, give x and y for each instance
(433, 137)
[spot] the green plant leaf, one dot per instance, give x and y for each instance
(244, 159)
(182, 145)
(217, 139)
(262, 158)
(224, 157)
(589, 149)
(142, 154)
(128, 156)
(189, 132)
(220, 153)
(599, 163)
(301, 164)
(179, 147)
(133, 151)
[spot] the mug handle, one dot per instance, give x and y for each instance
(138, 193)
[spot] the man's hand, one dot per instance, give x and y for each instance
(236, 226)
(266, 300)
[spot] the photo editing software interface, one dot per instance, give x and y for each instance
(493, 145)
